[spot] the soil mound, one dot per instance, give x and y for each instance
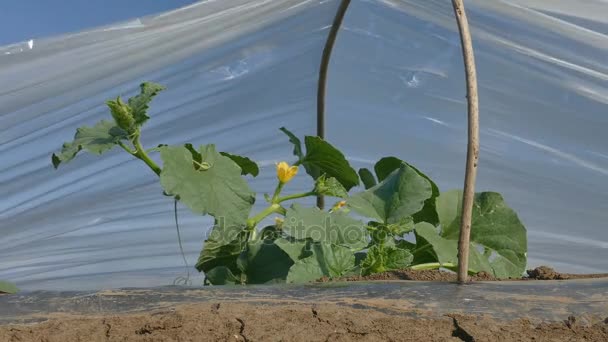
(285, 322)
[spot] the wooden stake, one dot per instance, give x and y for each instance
(468, 196)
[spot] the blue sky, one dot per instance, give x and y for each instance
(26, 19)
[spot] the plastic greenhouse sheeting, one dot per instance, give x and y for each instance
(506, 300)
(237, 70)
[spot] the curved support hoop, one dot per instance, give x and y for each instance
(473, 140)
(322, 85)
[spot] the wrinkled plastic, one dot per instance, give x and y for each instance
(533, 300)
(238, 70)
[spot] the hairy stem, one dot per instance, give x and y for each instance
(273, 208)
(277, 192)
(141, 154)
(126, 148)
(296, 196)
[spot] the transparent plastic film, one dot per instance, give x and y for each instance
(398, 74)
(235, 72)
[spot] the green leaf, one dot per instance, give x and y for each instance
(269, 233)
(297, 144)
(322, 158)
(495, 227)
(404, 244)
(293, 248)
(398, 196)
(330, 187)
(312, 223)
(449, 207)
(385, 258)
(222, 275)
(387, 165)
(216, 252)
(431, 247)
(248, 166)
(326, 260)
(139, 103)
(215, 187)
(197, 158)
(264, 262)
(367, 178)
(6, 287)
(96, 140)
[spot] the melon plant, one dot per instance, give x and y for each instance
(392, 217)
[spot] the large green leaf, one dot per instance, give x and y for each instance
(215, 187)
(96, 140)
(431, 247)
(382, 258)
(367, 178)
(495, 227)
(328, 160)
(293, 248)
(326, 260)
(400, 195)
(216, 252)
(248, 166)
(312, 223)
(139, 104)
(222, 275)
(264, 262)
(6, 287)
(387, 165)
(297, 144)
(449, 207)
(322, 158)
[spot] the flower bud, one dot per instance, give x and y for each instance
(121, 112)
(285, 173)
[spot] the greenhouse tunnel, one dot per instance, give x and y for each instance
(238, 70)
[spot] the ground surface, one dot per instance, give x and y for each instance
(573, 310)
(539, 273)
(330, 322)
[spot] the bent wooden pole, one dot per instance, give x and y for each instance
(468, 195)
(322, 85)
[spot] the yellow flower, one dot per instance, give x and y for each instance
(285, 173)
(338, 206)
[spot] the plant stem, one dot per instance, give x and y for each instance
(273, 208)
(295, 196)
(277, 192)
(126, 148)
(141, 154)
(431, 266)
(473, 140)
